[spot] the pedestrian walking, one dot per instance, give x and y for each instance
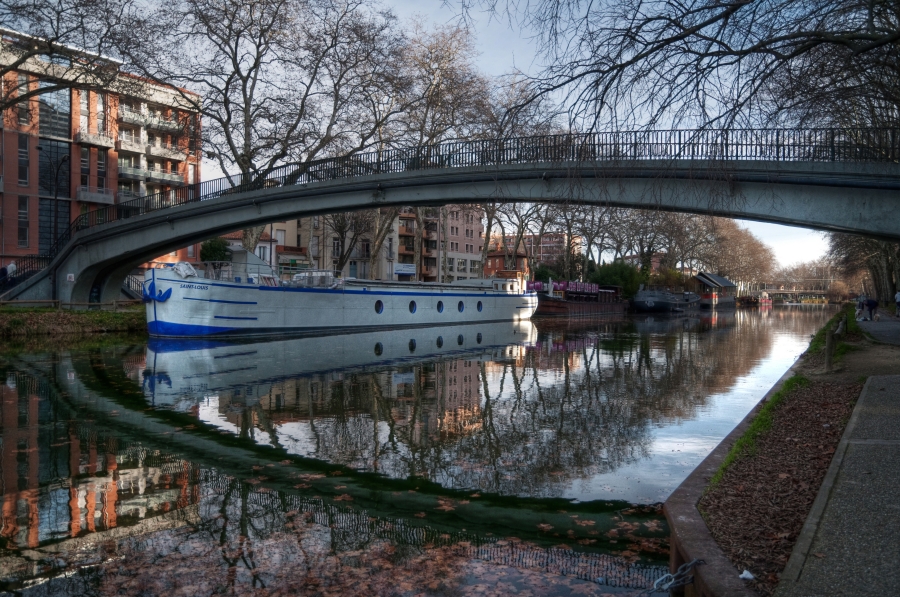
(872, 305)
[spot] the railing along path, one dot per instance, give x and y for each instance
(814, 145)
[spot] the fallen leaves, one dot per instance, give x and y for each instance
(757, 510)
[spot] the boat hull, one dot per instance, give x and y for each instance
(659, 302)
(198, 307)
(549, 306)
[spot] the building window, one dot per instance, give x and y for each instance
(450, 265)
(85, 165)
(190, 251)
(23, 221)
(101, 168)
(55, 112)
(390, 249)
(53, 168)
(335, 246)
(23, 159)
(461, 265)
(279, 237)
(101, 113)
(474, 266)
(365, 249)
(22, 111)
(83, 109)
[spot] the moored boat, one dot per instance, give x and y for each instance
(663, 301)
(577, 299)
(244, 297)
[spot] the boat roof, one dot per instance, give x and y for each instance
(715, 281)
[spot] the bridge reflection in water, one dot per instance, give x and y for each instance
(131, 468)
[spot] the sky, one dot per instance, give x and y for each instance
(503, 49)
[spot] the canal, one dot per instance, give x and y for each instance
(480, 459)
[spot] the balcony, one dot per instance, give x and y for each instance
(164, 177)
(166, 151)
(406, 231)
(404, 250)
(129, 143)
(161, 123)
(131, 116)
(429, 234)
(126, 196)
(131, 173)
(429, 272)
(94, 195)
(85, 137)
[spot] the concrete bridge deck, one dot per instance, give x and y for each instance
(846, 181)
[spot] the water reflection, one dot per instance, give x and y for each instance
(412, 456)
(527, 411)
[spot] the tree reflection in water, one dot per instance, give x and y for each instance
(105, 495)
(525, 420)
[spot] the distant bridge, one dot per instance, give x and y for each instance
(827, 179)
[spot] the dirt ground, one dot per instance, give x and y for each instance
(757, 510)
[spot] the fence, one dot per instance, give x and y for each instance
(814, 145)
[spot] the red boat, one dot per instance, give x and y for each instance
(577, 299)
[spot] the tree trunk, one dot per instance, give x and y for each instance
(417, 243)
(384, 221)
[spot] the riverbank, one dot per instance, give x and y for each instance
(19, 324)
(764, 479)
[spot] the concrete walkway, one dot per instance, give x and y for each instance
(886, 329)
(850, 543)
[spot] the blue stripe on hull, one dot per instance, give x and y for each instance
(164, 328)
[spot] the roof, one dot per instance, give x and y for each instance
(715, 281)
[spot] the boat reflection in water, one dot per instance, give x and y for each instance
(182, 372)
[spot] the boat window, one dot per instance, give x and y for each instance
(440, 306)
(460, 339)
(412, 306)
(461, 306)
(480, 306)
(440, 341)
(412, 346)
(478, 338)
(379, 307)
(378, 349)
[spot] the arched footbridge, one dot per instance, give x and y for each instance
(826, 179)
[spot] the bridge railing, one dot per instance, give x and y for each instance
(813, 145)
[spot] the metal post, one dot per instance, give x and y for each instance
(829, 348)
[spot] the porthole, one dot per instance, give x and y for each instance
(379, 307)
(440, 342)
(460, 306)
(480, 306)
(378, 349)
(478, 338)
(412, 306)
(412, 346)
(460, 339)
(440, 306)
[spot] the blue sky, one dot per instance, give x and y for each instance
(504, 48)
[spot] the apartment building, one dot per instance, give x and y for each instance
(70, 151)
(451, 247)
(548, 248)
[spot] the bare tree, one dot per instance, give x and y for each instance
(348, 228)
(278, 82)
(65, 44)
(382, 220)
(665, 61)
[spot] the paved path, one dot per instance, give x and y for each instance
(850, 544)
(886, 330)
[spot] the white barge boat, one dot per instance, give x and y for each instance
(245, 298)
